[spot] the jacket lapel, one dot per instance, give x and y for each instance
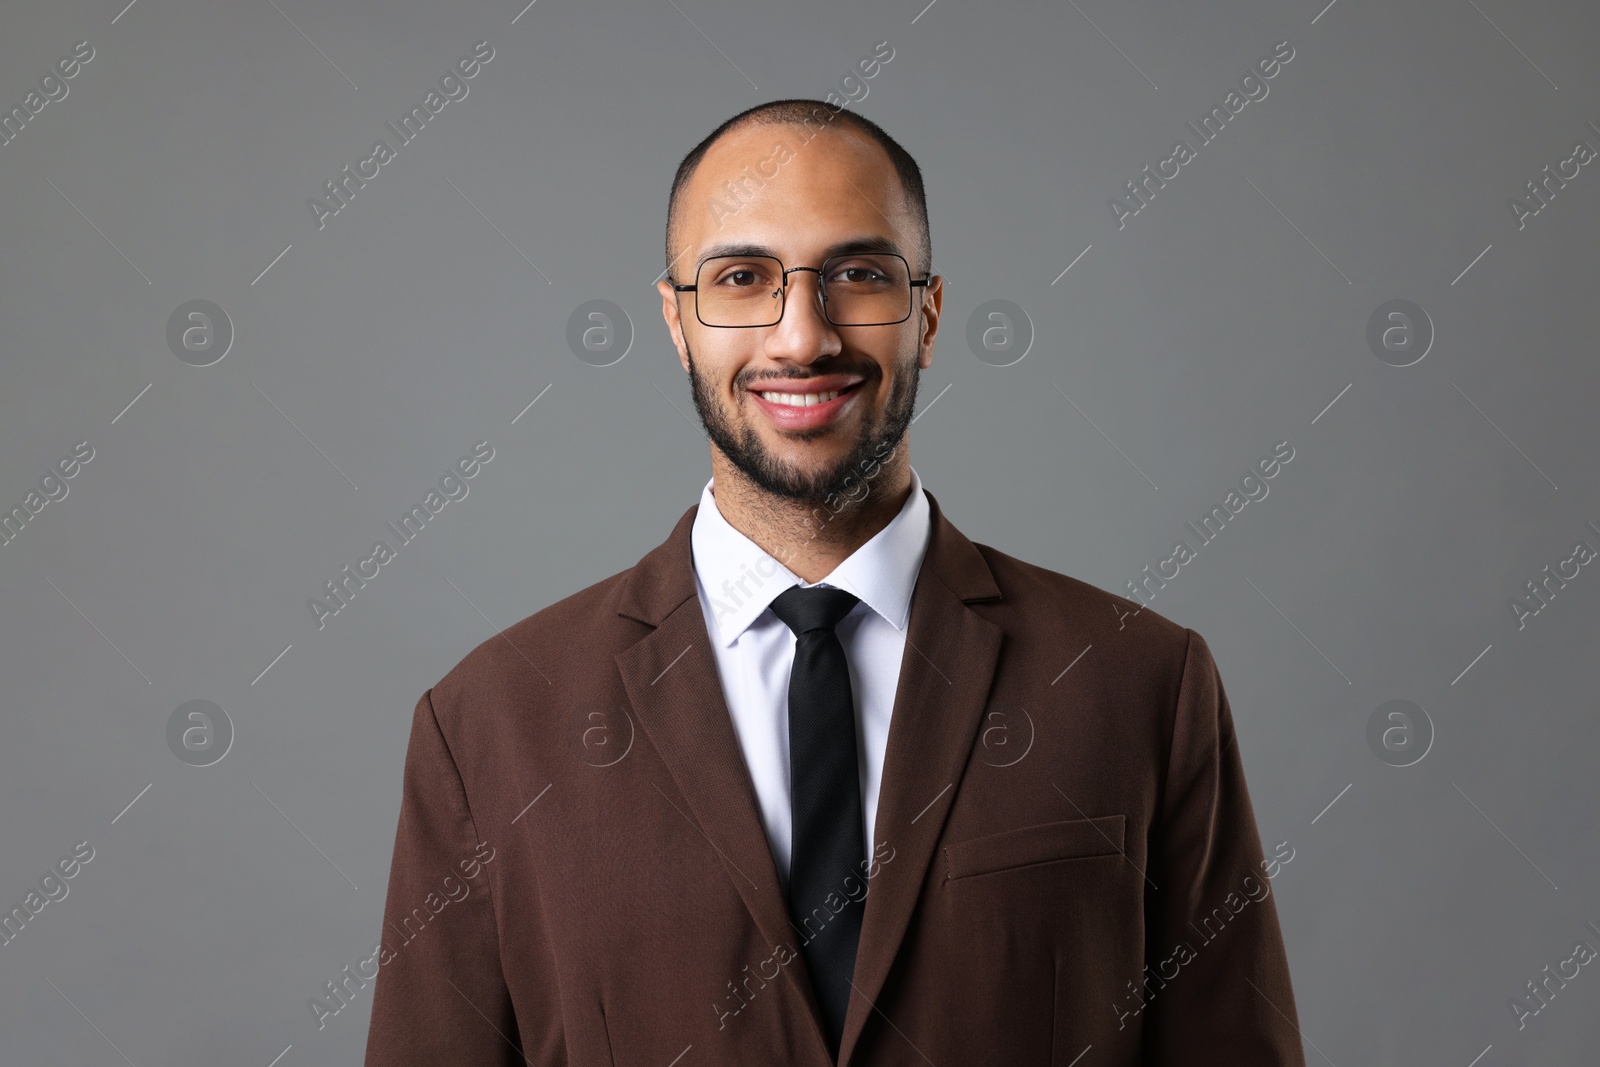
(945, 675)
(671, 679)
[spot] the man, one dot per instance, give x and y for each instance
(819, 780)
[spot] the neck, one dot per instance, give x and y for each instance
(813, 537)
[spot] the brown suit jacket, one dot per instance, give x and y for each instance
(1067, 860)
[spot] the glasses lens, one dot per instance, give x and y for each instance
(867, 290)
(740, 291)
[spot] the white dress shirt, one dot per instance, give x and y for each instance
(737, 580)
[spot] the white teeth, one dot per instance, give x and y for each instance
(799, 400)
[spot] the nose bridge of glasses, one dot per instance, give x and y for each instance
(819, 298)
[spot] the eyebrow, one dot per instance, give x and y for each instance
(854, 246)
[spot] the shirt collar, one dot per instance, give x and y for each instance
(882, 573)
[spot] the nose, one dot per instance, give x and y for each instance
(804, 334)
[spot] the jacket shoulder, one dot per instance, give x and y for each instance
(570, 637)
(1059, 606)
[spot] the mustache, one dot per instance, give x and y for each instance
(866, 371)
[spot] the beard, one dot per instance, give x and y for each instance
(739, 441)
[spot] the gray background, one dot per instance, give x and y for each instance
(1226, 316)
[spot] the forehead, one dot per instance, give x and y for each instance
(794, 190)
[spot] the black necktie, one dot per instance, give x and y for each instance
(827, 884)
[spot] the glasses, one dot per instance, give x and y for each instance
(868, 289)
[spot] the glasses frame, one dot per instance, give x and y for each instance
(822, 289)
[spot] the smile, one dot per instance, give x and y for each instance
(809, 406)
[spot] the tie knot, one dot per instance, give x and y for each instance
(815, 608)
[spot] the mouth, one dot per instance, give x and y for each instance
(806, 403)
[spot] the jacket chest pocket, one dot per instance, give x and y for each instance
(1030, 846)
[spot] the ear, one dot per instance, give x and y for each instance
(932, 302)
(669, 312)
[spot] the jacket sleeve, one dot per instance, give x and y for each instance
(440, 997)
(1216, 983)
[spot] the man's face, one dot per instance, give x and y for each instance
(839, 187)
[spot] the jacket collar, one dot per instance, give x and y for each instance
(664, 578)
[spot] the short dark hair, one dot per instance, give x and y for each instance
(807, 113)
